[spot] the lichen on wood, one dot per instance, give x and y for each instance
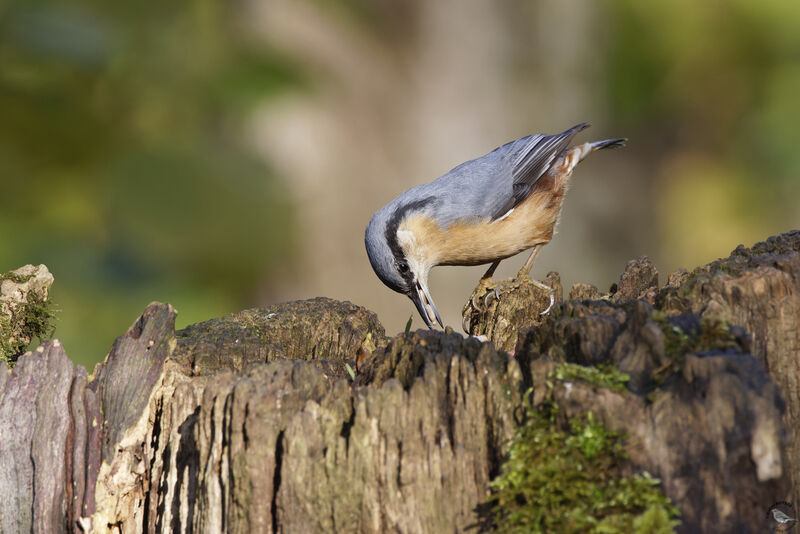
(315, 329)
(25, 311)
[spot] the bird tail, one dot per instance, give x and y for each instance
(608, 143)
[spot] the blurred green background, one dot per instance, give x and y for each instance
(223, 155)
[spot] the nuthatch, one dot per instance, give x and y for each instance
(483, 211)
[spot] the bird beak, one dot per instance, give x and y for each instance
(424, 303)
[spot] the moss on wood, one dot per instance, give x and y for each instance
(566, 476)
(28, 320)
(603, 375)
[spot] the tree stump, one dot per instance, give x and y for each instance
(303, 417)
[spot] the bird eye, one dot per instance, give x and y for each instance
(402, 266)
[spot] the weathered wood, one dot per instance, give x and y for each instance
(251, 423)
(754, 291)
(499, 309)
(758, 289)
(704, 418)
(126, 383)
(281, 447)
(315, 329)
(639, 280)
(35, 423)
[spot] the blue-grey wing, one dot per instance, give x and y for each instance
(474, 190)
(489, 186)
(531, 163)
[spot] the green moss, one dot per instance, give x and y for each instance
(349, 372)
(16, 277)
(696, 336)
(28, 320)
(715, 334)
(254, 323)
(707, 335)
(603, 375)
(569, 480)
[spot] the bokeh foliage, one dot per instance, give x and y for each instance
(122, 162)
(125, 168)
(709, 90)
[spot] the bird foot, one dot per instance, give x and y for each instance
(478, 301)
(482, 291)
(488, 290)
(505, 288)
(481, 295)
(500, 289)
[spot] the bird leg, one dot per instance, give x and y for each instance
(490, 271)
(523, 273)
(496, 290)
(486, 288)
(526, 270)
(483, 285)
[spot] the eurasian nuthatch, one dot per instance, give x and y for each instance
(483, 211)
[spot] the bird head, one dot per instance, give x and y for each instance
(388, 248)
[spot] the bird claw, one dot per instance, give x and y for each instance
(550, 291)
(552, 301)
(501, 289)
(488, 295)
(465, 315)
(474, 301)
(475, 304)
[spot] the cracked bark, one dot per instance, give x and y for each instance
(250, 423)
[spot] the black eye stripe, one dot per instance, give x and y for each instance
(402, 266)
(392, 225)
